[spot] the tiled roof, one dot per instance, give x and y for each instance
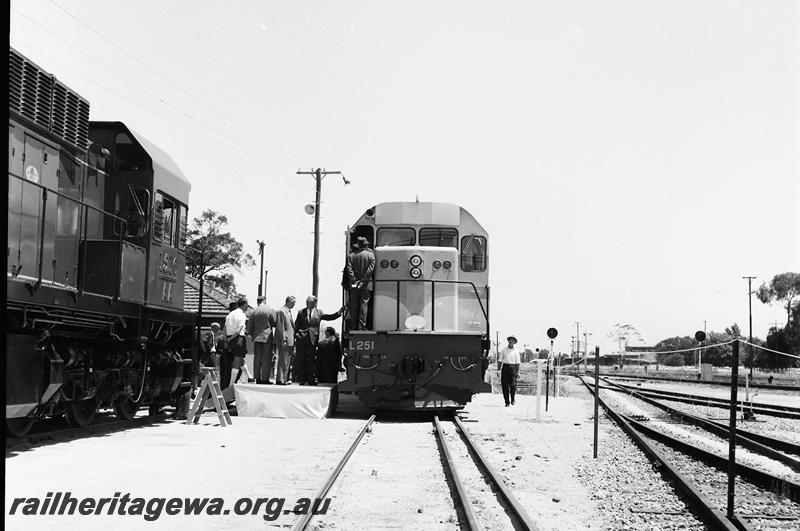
(214, 301)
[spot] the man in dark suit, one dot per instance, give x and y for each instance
(284, 340)
(306, 338)
(360, 268)
(260, 323)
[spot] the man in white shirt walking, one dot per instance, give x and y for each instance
(508, 364)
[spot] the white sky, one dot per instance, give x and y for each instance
(631, 160)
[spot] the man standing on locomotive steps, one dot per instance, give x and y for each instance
(508, 364)
(284, 340)
(306, 339)
(260, 323)
(360, 267)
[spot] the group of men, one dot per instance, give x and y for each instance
(292, 346)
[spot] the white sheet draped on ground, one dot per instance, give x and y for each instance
(279, 401)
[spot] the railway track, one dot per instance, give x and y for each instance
(771, 447)
(719, 383)
(775, 410)
(467, 469)
(762, 499)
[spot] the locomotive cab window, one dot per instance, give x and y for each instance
(128, 156)
(438, 237)
(473, 253)
(167, 220)
(395, 237)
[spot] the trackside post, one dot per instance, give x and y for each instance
(732, 434)
(596, 394)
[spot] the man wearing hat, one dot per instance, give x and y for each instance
(360, 267)
(508, 364)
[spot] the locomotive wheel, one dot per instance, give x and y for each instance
(80, 413)
(125, 409)
(19, 427)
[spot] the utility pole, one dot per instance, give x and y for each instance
(750, 311)
(261, 269)
(578, 341)
(586, 347)
(318, 174)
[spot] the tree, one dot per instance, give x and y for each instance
(622, 333)
(676, 343)
(210, 248)
(783, 288)
(785, 339)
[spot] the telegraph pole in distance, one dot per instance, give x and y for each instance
(261, 269)
(750, 312)
(318, 174)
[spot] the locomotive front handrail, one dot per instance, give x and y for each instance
(433, 293)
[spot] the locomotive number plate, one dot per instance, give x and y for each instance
(365, 345)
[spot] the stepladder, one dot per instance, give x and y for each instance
(209, 390)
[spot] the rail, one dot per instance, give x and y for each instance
(82, 236)
(304, 520)
(766, 448)
(712, 516)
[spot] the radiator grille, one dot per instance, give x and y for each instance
(39, 97)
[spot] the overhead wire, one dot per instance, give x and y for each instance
(152, 94)
(160, 76)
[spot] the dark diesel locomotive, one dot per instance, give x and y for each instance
(96, 230)
(427, 340)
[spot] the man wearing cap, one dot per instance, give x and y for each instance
(360, 267)
(508, 364)
(260, 323)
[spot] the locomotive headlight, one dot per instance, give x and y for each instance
(384, 264)
(415, 272)
(447, 264)
(437, 264)
(395, 264)
(415, 260)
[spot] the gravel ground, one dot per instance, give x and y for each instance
(749, 499)
(628, 491)
(489, 512)
(549, 466)
(394, 480)
(696, 436)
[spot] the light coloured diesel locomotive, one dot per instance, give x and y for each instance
(426, 339)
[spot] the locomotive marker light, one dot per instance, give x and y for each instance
(394, 264)
(415, 272)
(437, 264)
(415, 260)
(447, 264)
(384, 264)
